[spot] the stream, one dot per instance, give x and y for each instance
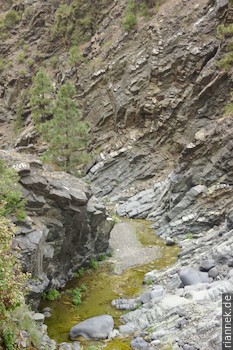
(111, 280)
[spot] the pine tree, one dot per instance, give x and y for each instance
(75, 58)
(41, 97)
(65, 133)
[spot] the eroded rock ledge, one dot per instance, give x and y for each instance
(65, 227)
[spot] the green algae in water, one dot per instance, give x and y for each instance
(103, 286)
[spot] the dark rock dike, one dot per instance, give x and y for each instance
(65, 227)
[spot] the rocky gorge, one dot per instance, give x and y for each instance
(162, 151)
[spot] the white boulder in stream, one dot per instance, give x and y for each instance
(98, 327)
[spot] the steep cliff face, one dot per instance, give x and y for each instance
(162, 88)
(65, 227)
(171, 158)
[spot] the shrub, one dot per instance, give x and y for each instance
(25, 322)
(30, 62)
(130, 19)
(143, 9)
(11, 202)
(22, 72)
(102, 257)
(80, 272)
(77, 297)
(94, 264)
(12, 18)
(189, 235)
(229, 107)
(75, 58)
(226, 62)
(12, 280)
(224, 31)
(148, 281)
(2, 64)
(21, 57)
(77, 21)
(83, 288)
(54, 62)
(9, 338)
(51, 295)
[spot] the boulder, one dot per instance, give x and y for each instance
(190, 276)
(170, 242)
(206, 264)
(213, 272)
(98, 327)
(127, 329)
(157, 292)
(145, 297)
(139, 344)
(66, 346)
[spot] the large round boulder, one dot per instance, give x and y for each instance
(98, 327)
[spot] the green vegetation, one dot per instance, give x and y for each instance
(93, 347)
(80, 272)
(66, 135)
(9, 338)
(94, 264)
(8, 21)
(41, 97)
(189, 235)
(26, 323)
(12, 18)
(77, 294)
(226, 32)
(115, 219)
(58, 122)
(2, 64)
(229, 106)
(54, 62)
(148, 281)
(226, 63)
(83, 288)
(135, 8)
(130, 19)
(77, 297)
(11, 202)
(22, 72)
(30, 62)
(103, 257)
(51, 295)
(12, 280)
(77, 21)
(75, 58)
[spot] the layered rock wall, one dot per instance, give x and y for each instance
(66, 225)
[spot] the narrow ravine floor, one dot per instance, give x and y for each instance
(135, 251)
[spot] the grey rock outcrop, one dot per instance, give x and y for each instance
(65, 227)
(186, 315)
